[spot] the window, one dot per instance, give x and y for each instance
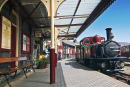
(26, 43)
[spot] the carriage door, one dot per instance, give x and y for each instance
(13, 44)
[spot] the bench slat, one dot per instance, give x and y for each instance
(11, 59)
(8, 71)
(14, 69)
(20, 58)
(6, 59)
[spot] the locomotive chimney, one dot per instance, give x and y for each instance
(108, 30)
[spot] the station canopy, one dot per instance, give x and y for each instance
(72, 16)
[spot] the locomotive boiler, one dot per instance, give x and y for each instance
(97, 53)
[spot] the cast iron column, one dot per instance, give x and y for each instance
(52, 50)
(55, 47)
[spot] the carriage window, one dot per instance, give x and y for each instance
(86, 41)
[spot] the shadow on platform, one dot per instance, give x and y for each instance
(74, 64)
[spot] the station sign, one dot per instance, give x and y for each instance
(38, 33)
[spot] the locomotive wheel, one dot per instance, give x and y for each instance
(80, 62)
(93, 64)
(103, 70)
(88, 63)
(77, 60)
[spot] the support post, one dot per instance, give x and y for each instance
(75, 48)
(41, 46)
(55, 59)
(52, 66)
(52, 50)
(75, 52)
(55, 47)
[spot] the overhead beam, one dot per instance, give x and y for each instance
(61, 25)
(67, 35)
(71, 15)
(74, 14)
(44, 27)
(67, 17)
(39, 17)
(102, 6)
(34, 9)
(68, 25)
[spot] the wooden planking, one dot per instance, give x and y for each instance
(11, 59)
(6, 59)
(20, 58)
(8, 71)
(14, 69)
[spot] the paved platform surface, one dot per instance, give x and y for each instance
(68, 74)
(40, 78)
(77, 75)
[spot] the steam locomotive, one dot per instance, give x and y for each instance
(97, 53)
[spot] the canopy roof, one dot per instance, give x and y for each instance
(72, 18)
(73, 13)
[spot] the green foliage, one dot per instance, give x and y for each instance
(44, 52)
(98, 70)
(42, 60)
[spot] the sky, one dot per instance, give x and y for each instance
(117, 17)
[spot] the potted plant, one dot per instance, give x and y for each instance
(42, 62)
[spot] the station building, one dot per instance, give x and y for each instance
(68, 49)
(16, 34)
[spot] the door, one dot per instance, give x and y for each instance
(13, 44)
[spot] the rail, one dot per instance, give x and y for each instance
(124, 77)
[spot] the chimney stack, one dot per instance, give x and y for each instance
(108, 30)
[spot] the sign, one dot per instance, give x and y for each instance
(24, 42)
(59, 47)
(28, 44)
(6, 33)
(38, 33)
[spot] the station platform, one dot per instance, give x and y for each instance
(68, 74)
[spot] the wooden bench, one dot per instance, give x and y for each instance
(8, 70)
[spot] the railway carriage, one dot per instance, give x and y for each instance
(97, 53)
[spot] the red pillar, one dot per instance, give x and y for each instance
(52, 66)
(56, 59)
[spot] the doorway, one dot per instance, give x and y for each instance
(13, 44)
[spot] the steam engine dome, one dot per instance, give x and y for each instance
(97, 39)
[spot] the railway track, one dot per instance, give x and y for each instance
(127, 63)
(124, 77)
